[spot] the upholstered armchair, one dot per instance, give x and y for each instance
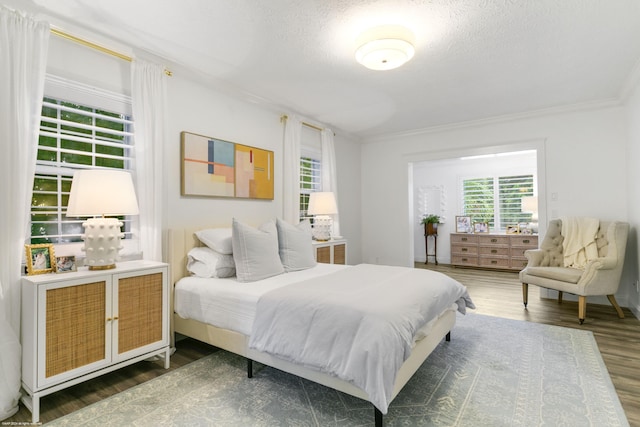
(600, 276)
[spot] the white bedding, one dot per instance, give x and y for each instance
(229, 304)
(358, 326)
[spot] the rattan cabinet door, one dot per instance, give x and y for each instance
(76, 330)
(140, 307)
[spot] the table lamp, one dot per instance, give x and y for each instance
(530, 205)
(98, 193)
(321, 205)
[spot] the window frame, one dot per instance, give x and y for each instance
(56, 170)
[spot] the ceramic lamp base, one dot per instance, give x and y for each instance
(101, 242)
(322, 227)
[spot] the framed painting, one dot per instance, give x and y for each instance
(65, 264)
(480, 227)
(513, 229)
(463, 224)
(40, 259)
(216, 168)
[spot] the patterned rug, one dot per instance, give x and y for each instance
(494, 372)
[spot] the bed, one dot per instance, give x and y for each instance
(235, 335)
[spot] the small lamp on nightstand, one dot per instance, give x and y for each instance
(102, 192)
(322, 204)
(530, 205)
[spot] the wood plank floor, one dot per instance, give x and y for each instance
(494, 293)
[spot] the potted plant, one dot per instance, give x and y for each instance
(430, 222)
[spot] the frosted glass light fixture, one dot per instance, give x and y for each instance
(322, 204)
(385, 47)
(102, 192)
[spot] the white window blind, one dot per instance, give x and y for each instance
(310, 181)
(499, 205)
(310, 167)
(73, 136)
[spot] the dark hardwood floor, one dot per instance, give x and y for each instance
(494, 293)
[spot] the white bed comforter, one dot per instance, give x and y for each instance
(357, 324)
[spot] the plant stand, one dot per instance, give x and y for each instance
(431, 230)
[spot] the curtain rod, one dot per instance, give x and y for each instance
(97, 47)
(309, 125)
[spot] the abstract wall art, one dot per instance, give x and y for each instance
(216, 168)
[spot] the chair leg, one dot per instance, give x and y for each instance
(582, 308)
(525, 294)
(614, 303)
(559, 297)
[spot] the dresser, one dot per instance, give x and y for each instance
(332, 251)
(495, 251)
(76, 326)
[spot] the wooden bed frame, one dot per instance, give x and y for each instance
(180, 241)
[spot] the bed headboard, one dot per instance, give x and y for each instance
(179, 242)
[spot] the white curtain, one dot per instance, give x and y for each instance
(291, 174)
(23, 58)
(329, 176)
(148, 99)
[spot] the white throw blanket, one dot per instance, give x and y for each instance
(579, 244)
(357, 324)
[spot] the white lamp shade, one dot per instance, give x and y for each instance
(529, 204)
(102, 192)
(322, 203)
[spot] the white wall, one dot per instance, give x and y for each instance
(586, 169)
(193, 106)
(633, 195)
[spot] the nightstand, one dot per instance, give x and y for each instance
(77, 326)
(332, 251)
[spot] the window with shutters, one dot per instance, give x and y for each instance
(497, 199)
(310, 167)
(73, 136)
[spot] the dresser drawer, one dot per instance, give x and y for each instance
(464, 238)
(518, 263)
(518, 252)
(494, 250)
(524, 240)
(493, 262)
(464, 249)
(470, 260)
(494, 240)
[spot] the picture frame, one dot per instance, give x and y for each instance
(40, 259)
(212, 167)
(513, 229)
(463, 224)
(66, 264)
(480, 227)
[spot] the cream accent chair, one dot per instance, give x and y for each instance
(599, 277)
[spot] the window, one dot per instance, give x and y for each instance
(73, 136)
(310, 167)
(309, 182)
(499, 205)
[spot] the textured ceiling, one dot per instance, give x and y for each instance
(474, 59)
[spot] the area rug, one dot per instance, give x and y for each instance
(493, 372)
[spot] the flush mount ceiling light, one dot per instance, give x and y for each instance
(385, 47)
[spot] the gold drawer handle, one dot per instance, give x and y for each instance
(494, 240)
(465, 249)
(494, 262)
(464, 239)
(465, 259)
(525, 241)
(494, 251)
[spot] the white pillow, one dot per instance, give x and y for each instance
(294, 241)
(255, 251)
(205, 262)
(218, 239)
